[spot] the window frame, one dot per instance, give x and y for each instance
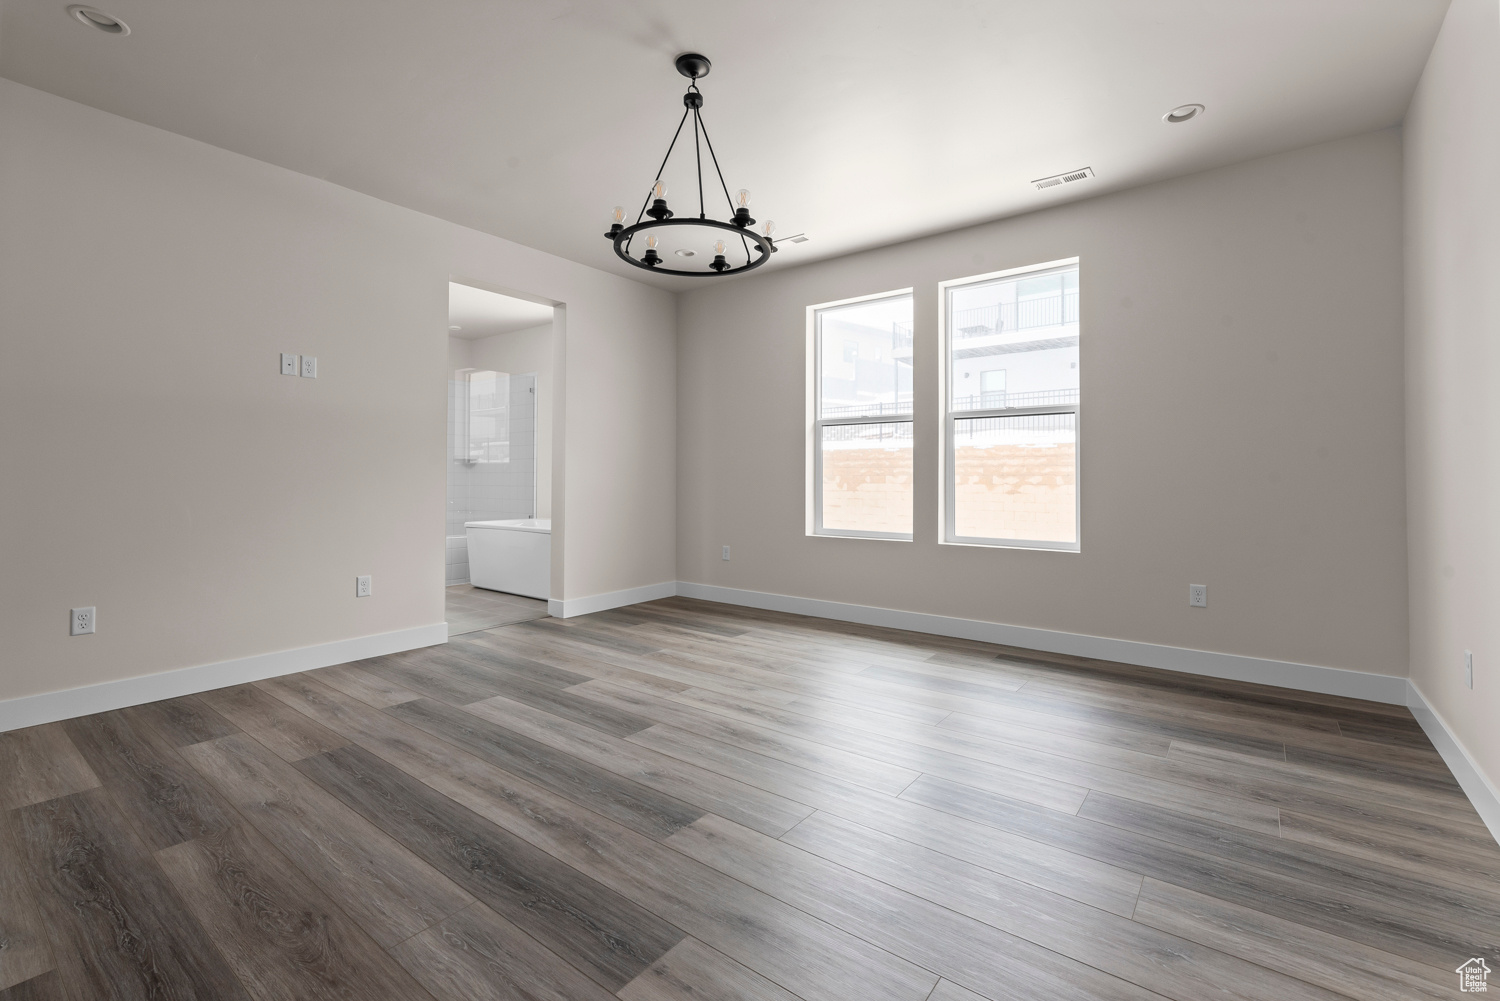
(950, 417)
(816, 422)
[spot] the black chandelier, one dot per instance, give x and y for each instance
(663, 227)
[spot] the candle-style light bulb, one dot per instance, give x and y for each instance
(718, 264)
(658, 209)
(651, 258)
(617, 223)
(742, 200)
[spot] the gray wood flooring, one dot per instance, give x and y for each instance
(682, 800)
(470, 609)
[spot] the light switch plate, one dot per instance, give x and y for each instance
(1198, 595)
(726, 552)
(81, 621)
(309, 367)
(288, 364)
(362, 586)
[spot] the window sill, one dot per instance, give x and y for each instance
(867, 536)
(1036, 547)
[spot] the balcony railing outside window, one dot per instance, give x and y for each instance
(1008, 317)
(902, 406)
(979, 427)
(1003, 400)
(883, 431)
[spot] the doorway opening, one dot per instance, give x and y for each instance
(498, 558)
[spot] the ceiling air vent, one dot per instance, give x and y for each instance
(1068, 178)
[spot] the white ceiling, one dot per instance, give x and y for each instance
(861, 122)
(478, 313)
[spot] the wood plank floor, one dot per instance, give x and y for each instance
(681, 800)
(470, 609)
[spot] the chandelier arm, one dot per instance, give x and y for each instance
(717, 170)
(642, 213)
(728, 200)
(698, 154)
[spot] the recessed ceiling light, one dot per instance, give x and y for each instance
(98, 19)
(685, 253)
(1186, 113)
(455, 328)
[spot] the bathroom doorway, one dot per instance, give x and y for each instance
(497, 558)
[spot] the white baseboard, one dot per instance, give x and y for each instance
(51, 706)
(1471, 778)
(33, 710)
(569, 607)
(1232, 667)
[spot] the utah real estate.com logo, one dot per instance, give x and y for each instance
(1474, 976)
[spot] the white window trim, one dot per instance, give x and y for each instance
(949, 419)
(815, 424)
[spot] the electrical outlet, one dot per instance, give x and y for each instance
(1198, 595)
(81, 621)
(362, 586)
(289, 364)
(309, 367)
(1468, 668)
(726, 552)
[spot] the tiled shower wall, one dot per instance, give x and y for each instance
(490, 491)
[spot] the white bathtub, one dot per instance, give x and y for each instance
(513, 556)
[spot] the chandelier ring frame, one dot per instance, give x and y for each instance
(763, 244)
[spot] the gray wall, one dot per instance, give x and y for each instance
(1453, 369)
(153, 462)
(1241, 426)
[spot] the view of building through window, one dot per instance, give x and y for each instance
(1013, 420)
(863, 433)
(486, 431)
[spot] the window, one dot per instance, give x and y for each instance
(1012, 432)
(861, 447)
(484, 419)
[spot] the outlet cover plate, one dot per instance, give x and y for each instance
(309, 367)
(1198, 595)
(362, 586)
(81, 621)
